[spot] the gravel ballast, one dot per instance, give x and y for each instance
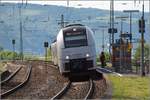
(46, 81)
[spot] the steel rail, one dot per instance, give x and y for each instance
(10, 76)
(62, 92)
(90, 91)
(18, 86)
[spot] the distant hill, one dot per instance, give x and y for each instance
(40, 23)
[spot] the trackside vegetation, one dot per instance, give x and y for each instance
(130, 87)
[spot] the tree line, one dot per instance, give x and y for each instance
(8, 55)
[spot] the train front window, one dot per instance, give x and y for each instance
(75, 39)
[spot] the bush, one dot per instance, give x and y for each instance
(137, 54)
(8, 55)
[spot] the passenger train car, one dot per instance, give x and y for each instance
(74, 50)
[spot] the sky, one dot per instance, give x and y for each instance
(119, 5)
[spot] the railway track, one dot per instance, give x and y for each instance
(18, 86)
(62, 93)
(72, 90)
(11, 76)
(90, 91)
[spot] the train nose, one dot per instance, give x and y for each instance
(77, 65)
(80, 65)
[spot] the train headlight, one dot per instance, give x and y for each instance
(67, 57)
(87, 55)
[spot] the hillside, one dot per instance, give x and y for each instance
(40, 23)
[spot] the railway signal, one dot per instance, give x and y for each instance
(141, 25)
(46, 46)
(13, 43)
(114, 30)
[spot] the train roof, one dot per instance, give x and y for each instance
(74, 25)
(69, 28)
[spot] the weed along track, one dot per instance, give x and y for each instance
(16, 82)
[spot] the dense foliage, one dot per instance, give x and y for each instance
(8, 55)
(137, 54)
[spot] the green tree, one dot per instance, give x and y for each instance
(8, 55)
(137, 54)
(107, 56)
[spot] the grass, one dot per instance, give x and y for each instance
(130, 87)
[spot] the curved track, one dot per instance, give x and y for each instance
(10, 91)
(10, 76)
(62, 92)
(90, 91)
(67, 87)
